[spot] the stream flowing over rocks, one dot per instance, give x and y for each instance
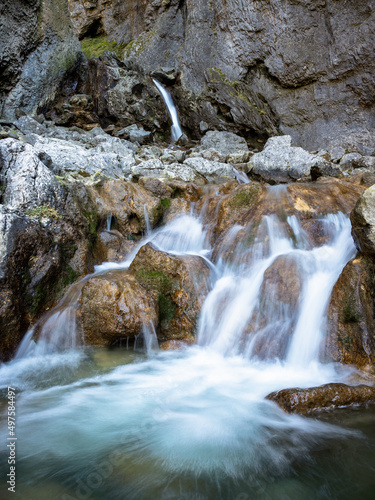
(187, 247)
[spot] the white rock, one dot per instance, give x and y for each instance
(224, 143)
(212, 171)
(28, 182)
(280, 162)
(108, 158)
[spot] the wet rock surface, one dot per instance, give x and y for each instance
(275, 317)
(350, 325)
(363, 220)
(179, 285)
(329, 396)
(114, 306)
(279, 162)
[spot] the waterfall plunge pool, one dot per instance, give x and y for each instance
(115, 424)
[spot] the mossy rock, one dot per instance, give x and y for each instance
(95, 47)
(179, 285)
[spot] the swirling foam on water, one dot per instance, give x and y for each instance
(199, 413)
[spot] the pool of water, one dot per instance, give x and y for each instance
(114, 424)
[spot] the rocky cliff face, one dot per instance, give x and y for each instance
(302, 67)
(38, 48)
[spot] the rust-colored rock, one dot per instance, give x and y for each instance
(305, 401)
(351, 325)
(114, 306)
(180, 284)
(112, 246)
(307, 201)
(177, 345)
(126, 202)
(363, 221)
(156, 187)
(176, 208)
(274, 319)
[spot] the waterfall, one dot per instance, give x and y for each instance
(109, 222)
(244, 313)
(150, 339)
(147, 220)
(241, 177)
(176, 128)
(193, 423)
(58, 329)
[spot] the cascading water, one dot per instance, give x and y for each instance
(236, 297)
(176, 127)
(109, 222)
(58, 329)
(193, 424)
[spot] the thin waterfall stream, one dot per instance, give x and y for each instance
(193, 424)
(176, 130)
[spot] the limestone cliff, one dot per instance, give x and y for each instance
(301, 67)
(38, 48)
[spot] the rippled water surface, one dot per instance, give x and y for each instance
(114, 424)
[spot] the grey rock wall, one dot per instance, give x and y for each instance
(300, 67)
(37, 49)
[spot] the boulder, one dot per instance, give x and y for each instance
(156, 187)
(128, 203)
(185, 172)
(224, 143)
(110, 158)
(212, 171)
(350, 337)
(135, 134)
(329, 396)
(363, 222)
(279, 162)
(347, 160)
(179, 285)
(148, 168)
(26, 181)
(112, 246)
(28, 125)
(114, 306)
(357, 161)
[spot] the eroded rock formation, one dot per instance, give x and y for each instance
(305, 401)
(304, 68)
(38, 49)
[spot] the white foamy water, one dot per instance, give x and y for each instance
(237, 296)
(176, 127)
(183, 423)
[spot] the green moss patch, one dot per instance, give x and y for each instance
(350, 313)
(154, 280)
(246, 198)
(161, 208)
(43, 211)
(157, 280)
(95, 47)
(167, 309)
(35, 301)
(69, 276)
